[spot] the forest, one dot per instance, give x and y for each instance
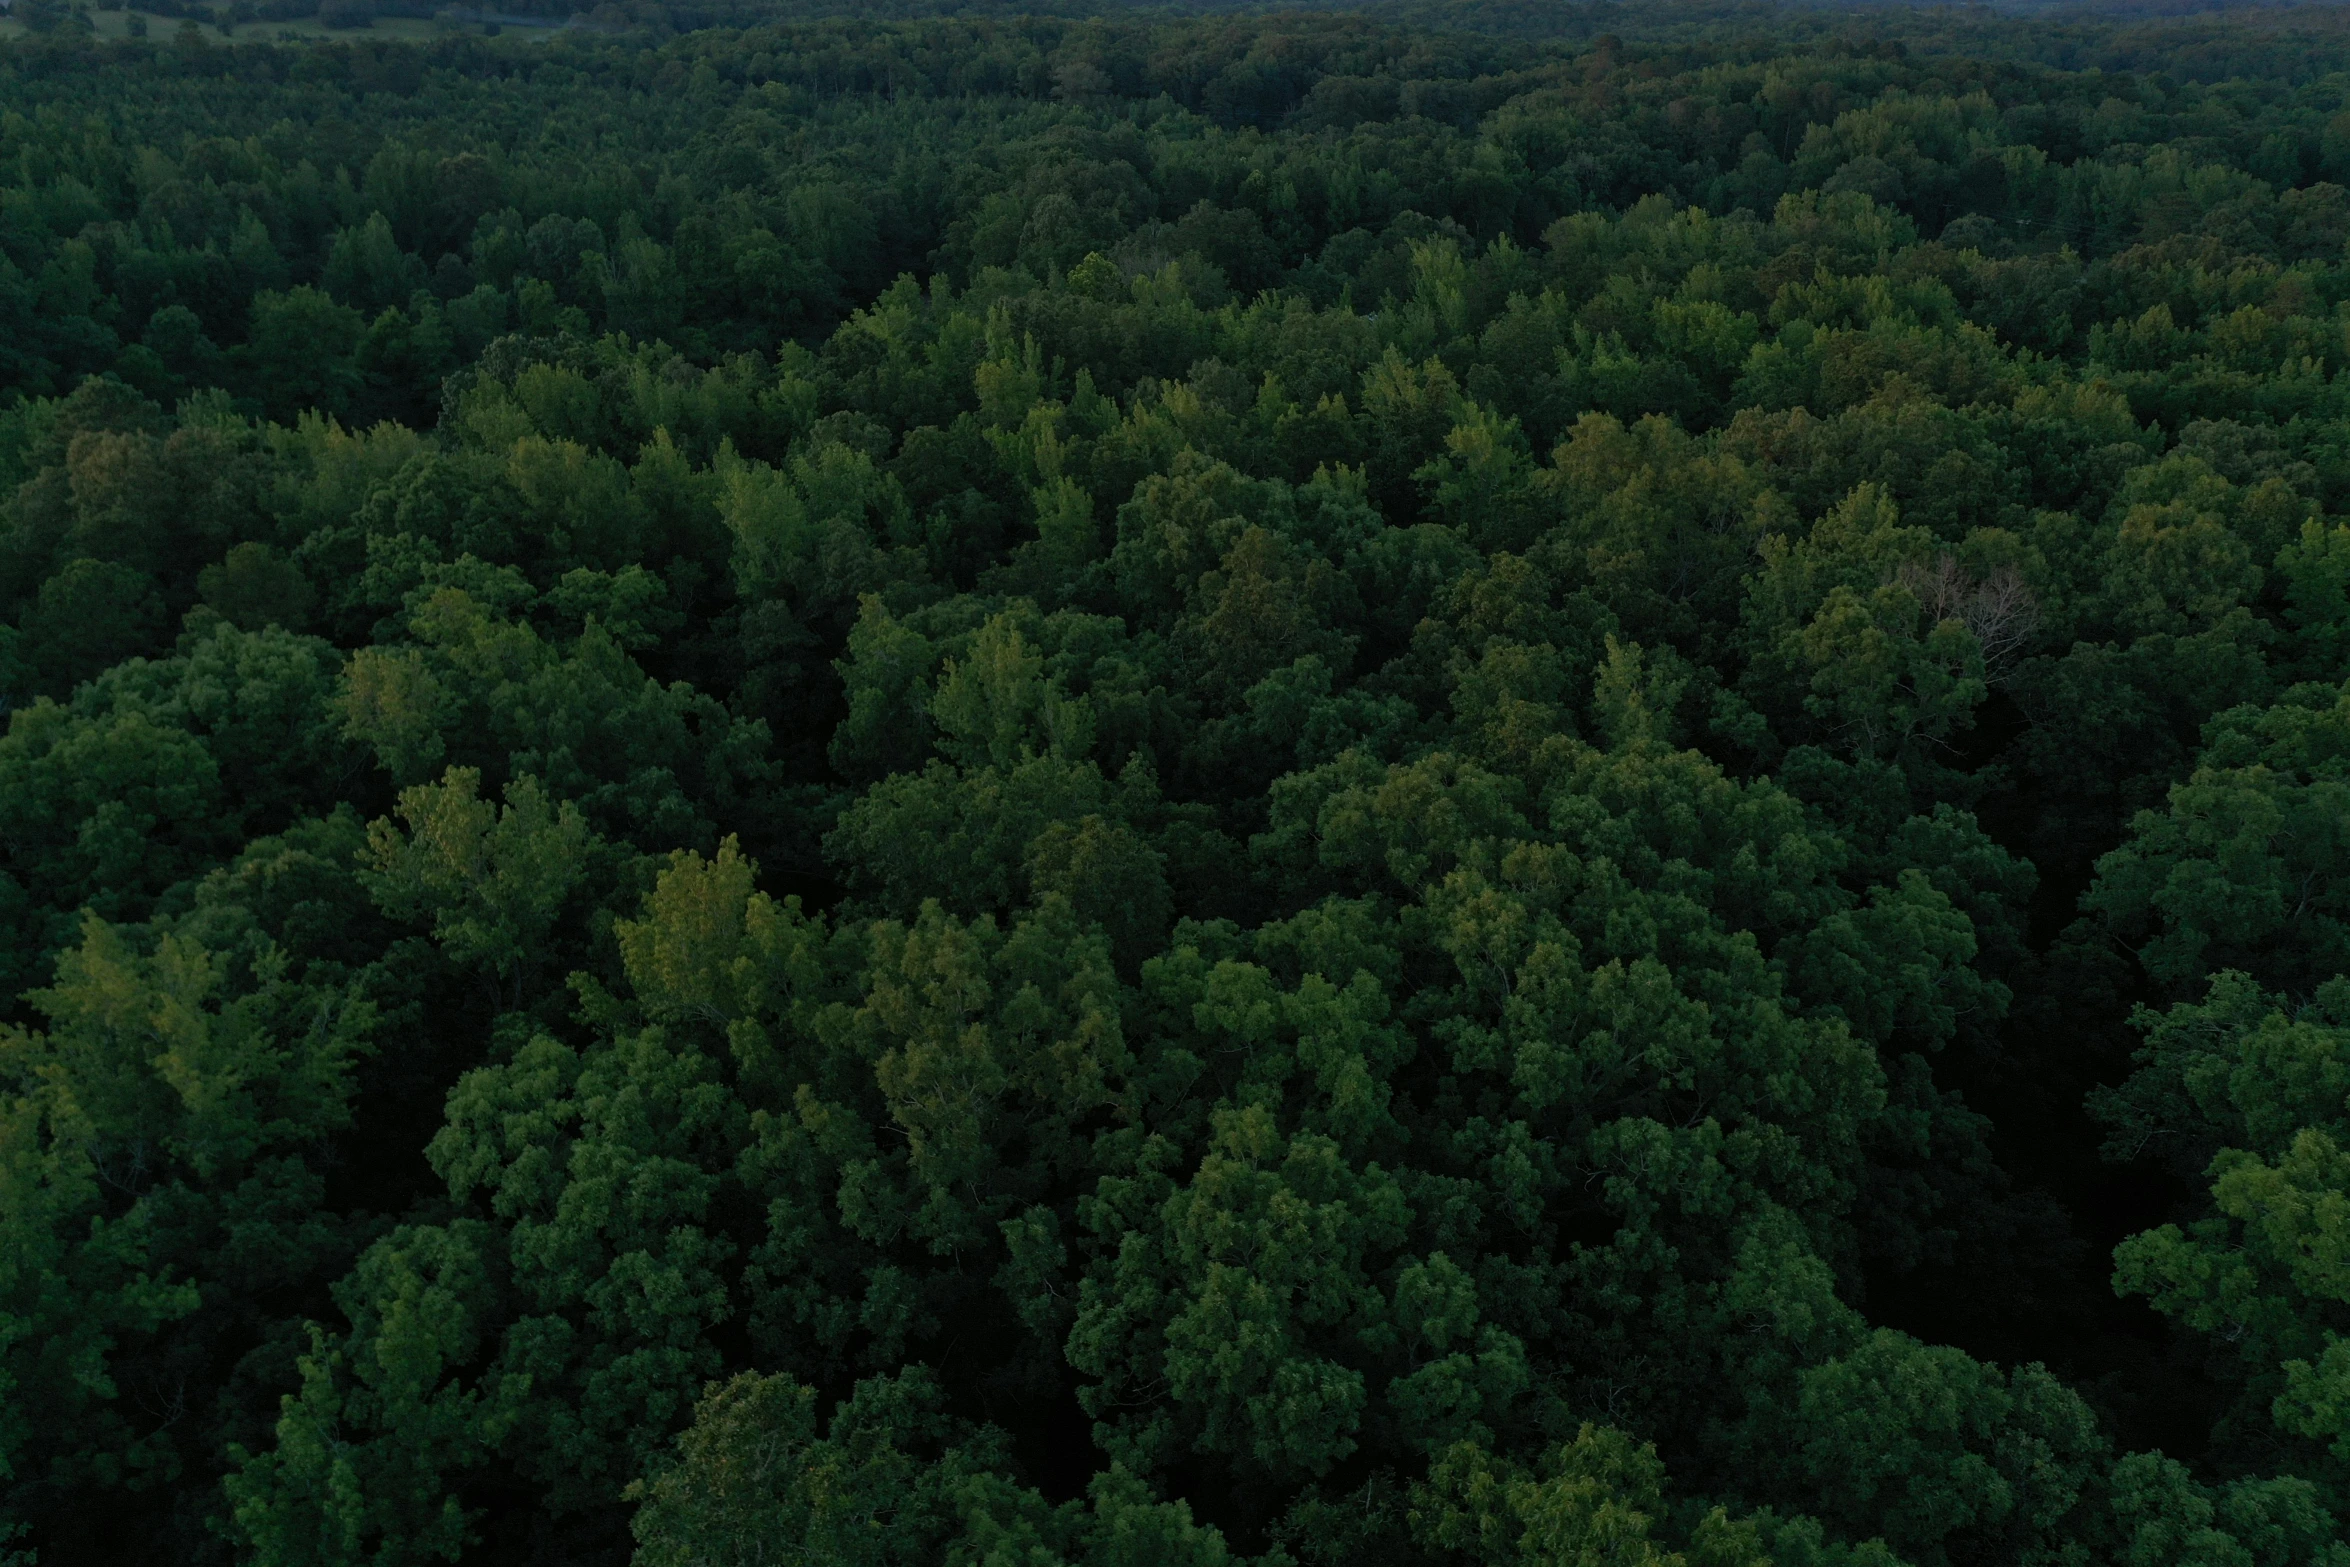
(1467, 783)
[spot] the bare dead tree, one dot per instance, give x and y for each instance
(1997, 608)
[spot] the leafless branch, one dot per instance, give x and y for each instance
(1997, 608)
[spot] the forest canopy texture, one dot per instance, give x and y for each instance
(1460, 786)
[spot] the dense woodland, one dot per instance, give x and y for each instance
(1464, 786)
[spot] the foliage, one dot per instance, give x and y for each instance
(915, 785)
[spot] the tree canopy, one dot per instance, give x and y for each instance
(1453, 785)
